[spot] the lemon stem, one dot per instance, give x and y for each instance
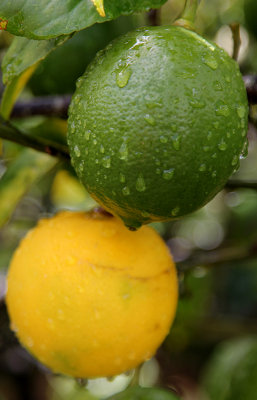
(188, 15)
(235, 29)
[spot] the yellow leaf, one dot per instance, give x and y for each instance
(99, 4)
(13, 90)
(3, 24)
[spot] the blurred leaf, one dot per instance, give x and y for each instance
(20, 175)
(18, 65)
(52, 129)
(140, 393)
(51, 18)
(13, 90)
(231, 372)
(68, 192)
(250, 9)
(23, 53)
(192, 309)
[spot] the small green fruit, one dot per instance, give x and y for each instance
(157, 124)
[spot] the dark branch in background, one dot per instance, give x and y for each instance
(217, 257)
(9, 132)
(251, 88)
(51, 106)
(238, 183)
(153, 17)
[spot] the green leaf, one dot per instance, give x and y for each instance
(140, 393)
(46, 19)
(18, 178)
(230, 372)
(18, 65)
(24, 53)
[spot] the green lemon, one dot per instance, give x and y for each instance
(157, 124)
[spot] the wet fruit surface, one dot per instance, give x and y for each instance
(157, 124)
(90, 298)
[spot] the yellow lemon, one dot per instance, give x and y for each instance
(90, 298)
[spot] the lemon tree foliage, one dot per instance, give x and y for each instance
(90, 298)
(19, 63)
(50, 18)
(157, 124)
(27, 168)
(232, 370)
(23, 53)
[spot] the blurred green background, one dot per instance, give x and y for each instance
(211, 351)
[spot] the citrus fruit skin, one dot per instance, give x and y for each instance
(89, 298)
(157, 124)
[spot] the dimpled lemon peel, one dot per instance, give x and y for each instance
(89, 298)
(157, 124)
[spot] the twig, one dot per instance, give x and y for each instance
(9, 132)
(235, 29)
(56, 106)
(251, 88)
(217, 257)
(153, 17)
(238, 183)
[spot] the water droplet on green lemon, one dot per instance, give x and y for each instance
(168, 174)
(106, 162)
(123, 151)
(163, 139)
(77, 151)
(211, 62)
(140, 183)
(149, 119)
(122, 76)
(222, 145)
(202, 168)
(126, 191)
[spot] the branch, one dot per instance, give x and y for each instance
(9, 132)
(251, 88)
(218, 257)
(235, 29)
(52, 106)
(153, 17)
(238, 183)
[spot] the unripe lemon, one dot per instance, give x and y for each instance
(157, 124)
(90, 298)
